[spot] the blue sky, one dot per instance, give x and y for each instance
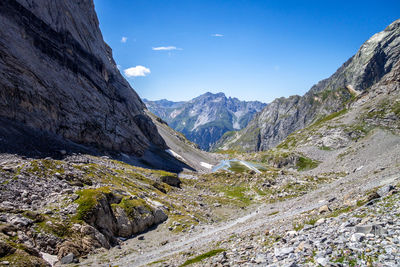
(253, 50)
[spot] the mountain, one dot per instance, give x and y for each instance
(76, 144)
(204, 119)
(62, 91)
(58, 75)
(83, 163)
(375, 59)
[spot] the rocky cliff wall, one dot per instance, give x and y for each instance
(58, 75)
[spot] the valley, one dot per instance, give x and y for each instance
(92, 175)
(204, 119)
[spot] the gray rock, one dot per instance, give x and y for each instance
(20, 220)
(261, 258)
(68, 259)
(171, 180)
(281, 252)
(383, 191)
(322, 261)
(357, 237)
(370, 229)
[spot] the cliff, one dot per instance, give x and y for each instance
(57, 76)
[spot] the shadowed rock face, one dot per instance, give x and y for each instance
(58, 75)
(375, 59)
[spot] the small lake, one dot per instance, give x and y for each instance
(236, 165)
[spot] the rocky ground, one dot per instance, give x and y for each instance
(367, 236)
(316, 201)
(327, 196)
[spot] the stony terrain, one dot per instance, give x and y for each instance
(204, 119)
(83, 163)
(273, 233)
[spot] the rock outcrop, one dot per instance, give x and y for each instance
(204, 119)
(58, 76)
(373, 61)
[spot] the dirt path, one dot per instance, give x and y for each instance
(383, 145)
(258, 220)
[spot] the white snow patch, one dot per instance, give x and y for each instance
(202, 119)
(174, 154)
(237, 115)
(219, 99)
(125, 155)
(175, 113)
(206, 165)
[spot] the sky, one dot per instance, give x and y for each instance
(252, 50)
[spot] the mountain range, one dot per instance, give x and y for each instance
(376, 58)
(85, 166)
(204, 119)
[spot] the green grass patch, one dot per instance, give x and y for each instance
(203, 256)
(325, 148)
(88, 199)
(132, 206)
(305, 163)
(329, 117)
(237, 192)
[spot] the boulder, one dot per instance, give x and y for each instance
(324, 209)
(357, 237)
(6, 249)
(375, 229)
(171, 180)
(385, 190)
(68, 259)
(281, 252)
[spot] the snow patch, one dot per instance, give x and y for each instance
(237, 115)
(202, 119)
(219, 99)
(206, 165)
(174, 154)
(175, 113)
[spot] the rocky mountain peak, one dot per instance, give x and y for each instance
(375, 59)
(206, 118)
(58, 76)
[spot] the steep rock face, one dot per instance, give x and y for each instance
(376, 57)
(206, 118)
(58, 75)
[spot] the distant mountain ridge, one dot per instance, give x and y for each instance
(204, 119)
(375, 59)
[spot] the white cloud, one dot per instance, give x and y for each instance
(124, 39)
(165, 48)
(217, 35)
(137, 71)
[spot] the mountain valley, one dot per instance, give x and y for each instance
(90, 176)
(204, 119)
